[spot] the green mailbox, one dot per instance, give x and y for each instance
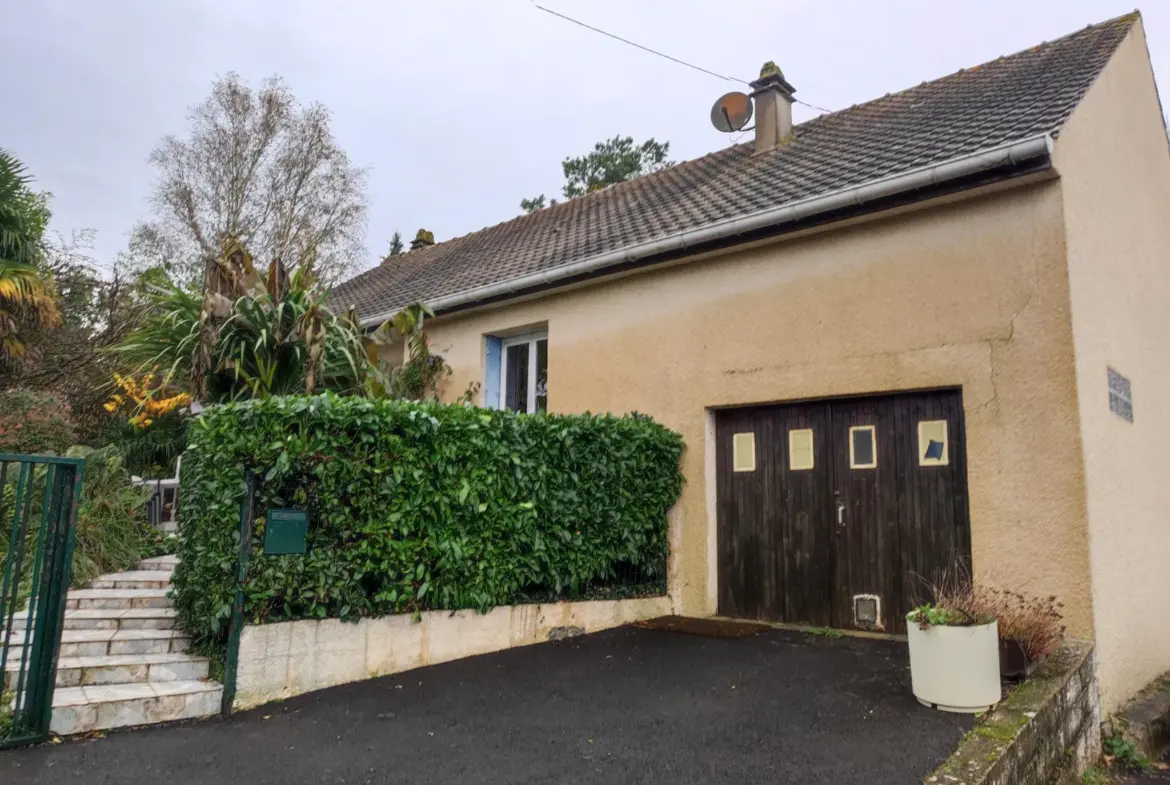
(284, 532)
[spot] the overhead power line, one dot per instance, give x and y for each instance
(639, 46)
(813, 106)
(662, 54)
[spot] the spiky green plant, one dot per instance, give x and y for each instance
(276, 340)
(167, 338)
(26, 294)
(423, 372)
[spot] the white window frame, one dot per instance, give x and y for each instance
(529, 338)
(853, 464)
(945, 460)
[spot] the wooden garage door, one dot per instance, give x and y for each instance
(828, 507)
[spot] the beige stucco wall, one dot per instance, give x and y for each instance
(290, 658)
(972, 294)
(1115, 170)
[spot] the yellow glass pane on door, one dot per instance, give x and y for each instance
(743, 449)
(800, 450)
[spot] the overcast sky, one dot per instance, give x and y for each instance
(460, 108)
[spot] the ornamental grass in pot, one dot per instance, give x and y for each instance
(1030, 628)
(954, 648)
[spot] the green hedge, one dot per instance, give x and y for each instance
(416, 506)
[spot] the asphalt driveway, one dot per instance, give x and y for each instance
(623, 706)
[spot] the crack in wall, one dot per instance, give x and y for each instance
(1003, 342)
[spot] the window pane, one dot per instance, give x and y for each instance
(743, 452)
(542, 375)
(800, 450)
(516, 381)
(932, 443)
(862, 447)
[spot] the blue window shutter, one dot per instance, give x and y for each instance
(491, 382)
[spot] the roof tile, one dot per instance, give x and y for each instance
(1005, 100)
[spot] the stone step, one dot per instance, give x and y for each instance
(113, 642)
(138, 579)
(110, 619)
(94, 599)
(84, 709)
(122, 669)
(159, 563)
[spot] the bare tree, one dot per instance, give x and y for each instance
(98, 305)
(259, 169)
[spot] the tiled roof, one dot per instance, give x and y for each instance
(1012, 98)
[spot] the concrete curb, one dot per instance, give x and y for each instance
(278, 661)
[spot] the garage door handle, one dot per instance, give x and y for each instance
(840, 514)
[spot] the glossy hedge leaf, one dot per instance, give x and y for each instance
(417, 506)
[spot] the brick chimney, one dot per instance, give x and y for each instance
(773, 97)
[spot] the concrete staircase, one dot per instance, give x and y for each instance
(122, 663)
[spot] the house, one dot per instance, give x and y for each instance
(928, 326)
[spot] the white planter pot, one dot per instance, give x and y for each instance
(955, 668)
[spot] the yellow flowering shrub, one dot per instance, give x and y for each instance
(147, 396)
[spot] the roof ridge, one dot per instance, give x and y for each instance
(1128, 18)
(613, 188)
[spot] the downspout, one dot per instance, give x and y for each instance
(923, 177)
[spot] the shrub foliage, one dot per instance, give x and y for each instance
(112, 531)
(34, 422)
(416, 506)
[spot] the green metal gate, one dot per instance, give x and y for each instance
(38, 510)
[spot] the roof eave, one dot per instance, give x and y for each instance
(925, 177)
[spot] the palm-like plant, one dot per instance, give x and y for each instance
(253, 334)
(420, 377)
(26, 296)
(277, 339)
(167, 338)
(282, 343)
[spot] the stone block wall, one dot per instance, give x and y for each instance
(281, 660)
(1047, 730)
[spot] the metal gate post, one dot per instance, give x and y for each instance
(236, 625)
(40, 540)
(67, 498)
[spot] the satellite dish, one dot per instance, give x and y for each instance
(731, 112)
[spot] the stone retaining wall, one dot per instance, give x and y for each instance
(290, 658)
(1046, 731)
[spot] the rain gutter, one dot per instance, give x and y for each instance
(933, 175)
